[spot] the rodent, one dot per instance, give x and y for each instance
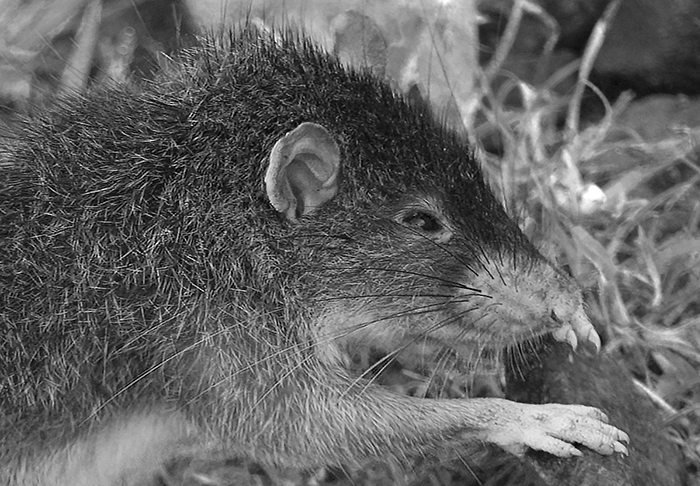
(187, 264)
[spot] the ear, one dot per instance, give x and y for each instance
(304, 171)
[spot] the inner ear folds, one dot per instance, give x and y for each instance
(303, 171)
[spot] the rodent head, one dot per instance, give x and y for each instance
(426, 257)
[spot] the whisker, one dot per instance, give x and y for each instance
(277, 383)
(486, 258)
(474, 357)
(322, 339)
(145, 374)
(469, 469)
(329, 337)
(385, 361)
(444, 248)
(442, 363)
(448, 283)
(370, 296)
(424, 334)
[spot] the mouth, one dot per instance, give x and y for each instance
(575, 329)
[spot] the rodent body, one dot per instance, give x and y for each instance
(187, 265)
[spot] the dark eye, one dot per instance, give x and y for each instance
(422, 221)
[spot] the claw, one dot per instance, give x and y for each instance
(619, 447)
(567, 334)
(572, 339)
(560, 334)
(594, 339)
(584, 329)
(579, 328)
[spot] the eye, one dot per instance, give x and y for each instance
(422, 221)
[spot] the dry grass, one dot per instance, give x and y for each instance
(621, 211)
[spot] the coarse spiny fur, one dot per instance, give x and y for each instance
(144, 273)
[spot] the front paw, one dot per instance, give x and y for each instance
(554, 427)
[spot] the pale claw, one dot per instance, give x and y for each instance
(566, 334)
(594, 339)
(580, 328)
(571, 339)
(620, 447)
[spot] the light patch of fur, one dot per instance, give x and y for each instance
(132, 450)
(335, 329)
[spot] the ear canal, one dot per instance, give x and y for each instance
(303, 171)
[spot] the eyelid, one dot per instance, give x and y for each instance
(431, 206)
(431, 219)
(442, 232)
